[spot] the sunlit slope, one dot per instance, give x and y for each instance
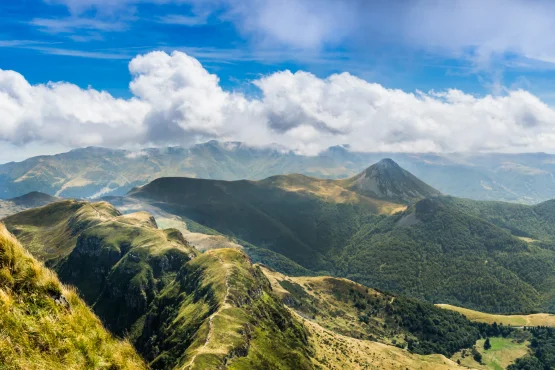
(300, 217)
(536, 319)
(118, 262)
(44, 325)
(179, 308)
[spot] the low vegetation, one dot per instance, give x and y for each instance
(44, 325)
(353, 310)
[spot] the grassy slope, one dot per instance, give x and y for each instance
(44, 325)
(301, 224)
(176, 309)
(334, 351)
(50, 232)
(220, 310)
(503, 352)
(352, 310)
(118, 262)
(538, 319)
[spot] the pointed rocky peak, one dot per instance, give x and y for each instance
(388, 181)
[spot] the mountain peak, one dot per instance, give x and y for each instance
(387, 163)
(387, 180)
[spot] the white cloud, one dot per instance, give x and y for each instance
(176, 101)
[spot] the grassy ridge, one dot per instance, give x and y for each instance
(44, 325)
(538, 319)
(220, 309)
(179, 308)
(118, 262)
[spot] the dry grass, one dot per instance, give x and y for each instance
(44, 325)
(334, 351)
(538, 319)
(331, 191)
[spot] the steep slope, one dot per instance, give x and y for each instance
(45, 325)
(118, 262)
(386, 180)
(184, 310)
(220, 312)
(51, 232)
(179, 310)
(299, 225)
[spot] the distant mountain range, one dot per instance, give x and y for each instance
(95, 172)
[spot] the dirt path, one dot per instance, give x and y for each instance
(225, 305)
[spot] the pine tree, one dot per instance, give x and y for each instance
(487, 344)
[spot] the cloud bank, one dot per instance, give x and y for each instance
(176, 101)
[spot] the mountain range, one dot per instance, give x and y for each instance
(383, 228)
(286, 272)
(182, 309)
(94, 172)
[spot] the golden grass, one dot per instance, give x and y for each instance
(334, 351)
(45, 325)
(326, 304)
(538, 319)
(332, 191)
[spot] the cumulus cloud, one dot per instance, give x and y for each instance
(176, 101)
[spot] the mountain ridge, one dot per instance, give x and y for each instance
(96, 172)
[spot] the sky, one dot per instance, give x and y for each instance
(407, 75)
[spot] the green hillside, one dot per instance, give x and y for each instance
(437, 253)
(299, 225)
(436, 250)
(176, 308)
(45, 325)
(182, 309)
(534, 222)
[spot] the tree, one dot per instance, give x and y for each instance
(487, 344)
(476, 355)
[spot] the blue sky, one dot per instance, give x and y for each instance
(407, 75)
(90, 43)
